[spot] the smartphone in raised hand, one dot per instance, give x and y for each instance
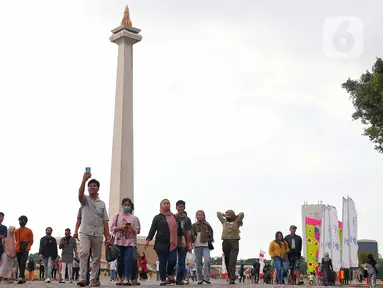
(87, 170)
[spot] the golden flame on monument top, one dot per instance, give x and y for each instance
(126, 20)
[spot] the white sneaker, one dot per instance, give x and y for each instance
(48, 280)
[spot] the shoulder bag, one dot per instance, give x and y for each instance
(23, 245)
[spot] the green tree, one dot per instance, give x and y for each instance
(367, 97)
(363, 257)
(249, 261)
(217, 261)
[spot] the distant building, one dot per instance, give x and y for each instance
(368, 246)
(310, 211)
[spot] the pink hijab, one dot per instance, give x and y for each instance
(9, 242)
(172, 223)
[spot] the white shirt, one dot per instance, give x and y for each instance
(113, 265)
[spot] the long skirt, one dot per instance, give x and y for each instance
(6, 266)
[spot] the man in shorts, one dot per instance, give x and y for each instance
(295, 246)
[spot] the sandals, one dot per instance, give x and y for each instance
(171, 279)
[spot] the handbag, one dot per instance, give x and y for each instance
(111, 253)
(320, 268)
(210, 245)
(23, 245)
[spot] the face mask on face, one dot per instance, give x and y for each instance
(228, 219)
(126, 208)
(49, 233)
(67, 237)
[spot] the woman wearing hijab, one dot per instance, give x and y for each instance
(230, 240)
(8, 256)
(167, 229)
(371, 270)
(124, 229)
(202, 237)
(278, 251)
(327, 269)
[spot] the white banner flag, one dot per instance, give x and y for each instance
(353, 221)
(261, 259)
(335, 245)
(345, 235)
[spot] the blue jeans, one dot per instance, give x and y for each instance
(168, 260)
(125, 261)
(203, 268)
(112, 275)
(181, 251)
(281, 267)
(48, 267)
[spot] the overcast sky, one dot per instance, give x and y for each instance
(237, 105)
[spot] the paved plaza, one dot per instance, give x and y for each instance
(152, 283)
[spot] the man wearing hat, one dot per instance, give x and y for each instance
(295, 246)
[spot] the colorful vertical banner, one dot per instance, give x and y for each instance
(340, 231)
(313, 241)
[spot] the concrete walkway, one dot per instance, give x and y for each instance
(152, 283)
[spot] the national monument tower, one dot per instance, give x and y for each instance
(122, 174)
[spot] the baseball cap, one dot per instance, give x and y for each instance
(293, 227)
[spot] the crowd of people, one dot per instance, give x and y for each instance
(175, 235)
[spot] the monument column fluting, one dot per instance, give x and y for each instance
(122, 172)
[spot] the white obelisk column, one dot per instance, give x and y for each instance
(122, 175)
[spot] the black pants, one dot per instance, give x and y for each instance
(54, 273)
(42, 272)
(241, 278)
(256, 277)
(230, 249)
(135, 265)
(168, 260)
(75, 273)
(22, 258)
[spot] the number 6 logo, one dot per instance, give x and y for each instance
(343, 37)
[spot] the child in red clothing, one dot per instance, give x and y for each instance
(31, 269)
